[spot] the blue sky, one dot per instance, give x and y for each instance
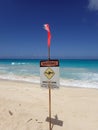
(73, 24)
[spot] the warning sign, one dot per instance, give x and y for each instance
(49, 73)
(47, 63)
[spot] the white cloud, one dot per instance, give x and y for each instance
(93, 4)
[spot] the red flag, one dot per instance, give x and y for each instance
(47, 28)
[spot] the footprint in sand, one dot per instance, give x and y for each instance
(40, 125)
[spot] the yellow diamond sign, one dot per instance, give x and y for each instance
(49, 73)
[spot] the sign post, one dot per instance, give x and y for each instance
(49, 104)
(49, 73)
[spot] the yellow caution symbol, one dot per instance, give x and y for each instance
(49, 73)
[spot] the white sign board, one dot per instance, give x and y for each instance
(49, 73)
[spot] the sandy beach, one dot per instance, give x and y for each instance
(24, 106)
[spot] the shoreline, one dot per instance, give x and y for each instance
(24, 106)
(35, 83)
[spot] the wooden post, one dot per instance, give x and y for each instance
(49, 87)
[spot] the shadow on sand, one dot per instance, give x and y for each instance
(54, 121)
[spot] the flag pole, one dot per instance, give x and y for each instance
(48, 53)
(46, 27)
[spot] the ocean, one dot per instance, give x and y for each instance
(73, 73)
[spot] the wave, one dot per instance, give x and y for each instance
(78, 83)
(15, 63)
(11, 76)
(63, 82)
(3, 68)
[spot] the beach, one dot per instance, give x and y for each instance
(24, 106)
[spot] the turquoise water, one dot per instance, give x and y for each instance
(74, 73)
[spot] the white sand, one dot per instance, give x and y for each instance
(24, 106)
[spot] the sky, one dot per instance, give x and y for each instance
(73, 25)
